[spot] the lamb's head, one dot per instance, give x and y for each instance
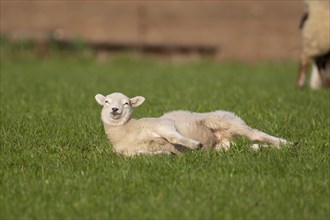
(117, 108)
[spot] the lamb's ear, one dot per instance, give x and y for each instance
(136, 101)
(100, 99)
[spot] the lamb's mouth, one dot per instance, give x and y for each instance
(115, 115)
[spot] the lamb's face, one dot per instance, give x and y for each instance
(117, 108)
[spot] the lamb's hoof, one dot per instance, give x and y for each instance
(295, 143)
(199, 146)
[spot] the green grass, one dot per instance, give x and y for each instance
(56, 162)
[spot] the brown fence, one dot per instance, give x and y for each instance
(247, 30)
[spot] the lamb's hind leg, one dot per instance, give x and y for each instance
(226, 125)
(256, 135)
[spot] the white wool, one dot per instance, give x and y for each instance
(315, 42)
(315, 33)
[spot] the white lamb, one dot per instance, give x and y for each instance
(173, 132)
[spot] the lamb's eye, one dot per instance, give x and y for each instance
(126, 103)
(106, 101)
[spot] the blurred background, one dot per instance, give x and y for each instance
(222, 30)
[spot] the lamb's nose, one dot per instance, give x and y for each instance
(114, 109)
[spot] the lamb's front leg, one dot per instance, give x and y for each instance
(174, 137)
(162, 145)
(177, 138)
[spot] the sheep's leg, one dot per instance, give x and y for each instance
(168, 147)
(228, 126)
(223, 145)
(325, 80)
(315, 81)
(177, 138)
(163, 148)
(321, 63)
(256, 135)
(302, 72)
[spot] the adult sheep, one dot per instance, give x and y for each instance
(315, 26)
(174, 131)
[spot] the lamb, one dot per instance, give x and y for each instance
(174, 132)
(315, 26)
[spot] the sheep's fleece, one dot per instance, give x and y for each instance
(174, 132)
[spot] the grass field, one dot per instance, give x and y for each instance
(56, 162)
